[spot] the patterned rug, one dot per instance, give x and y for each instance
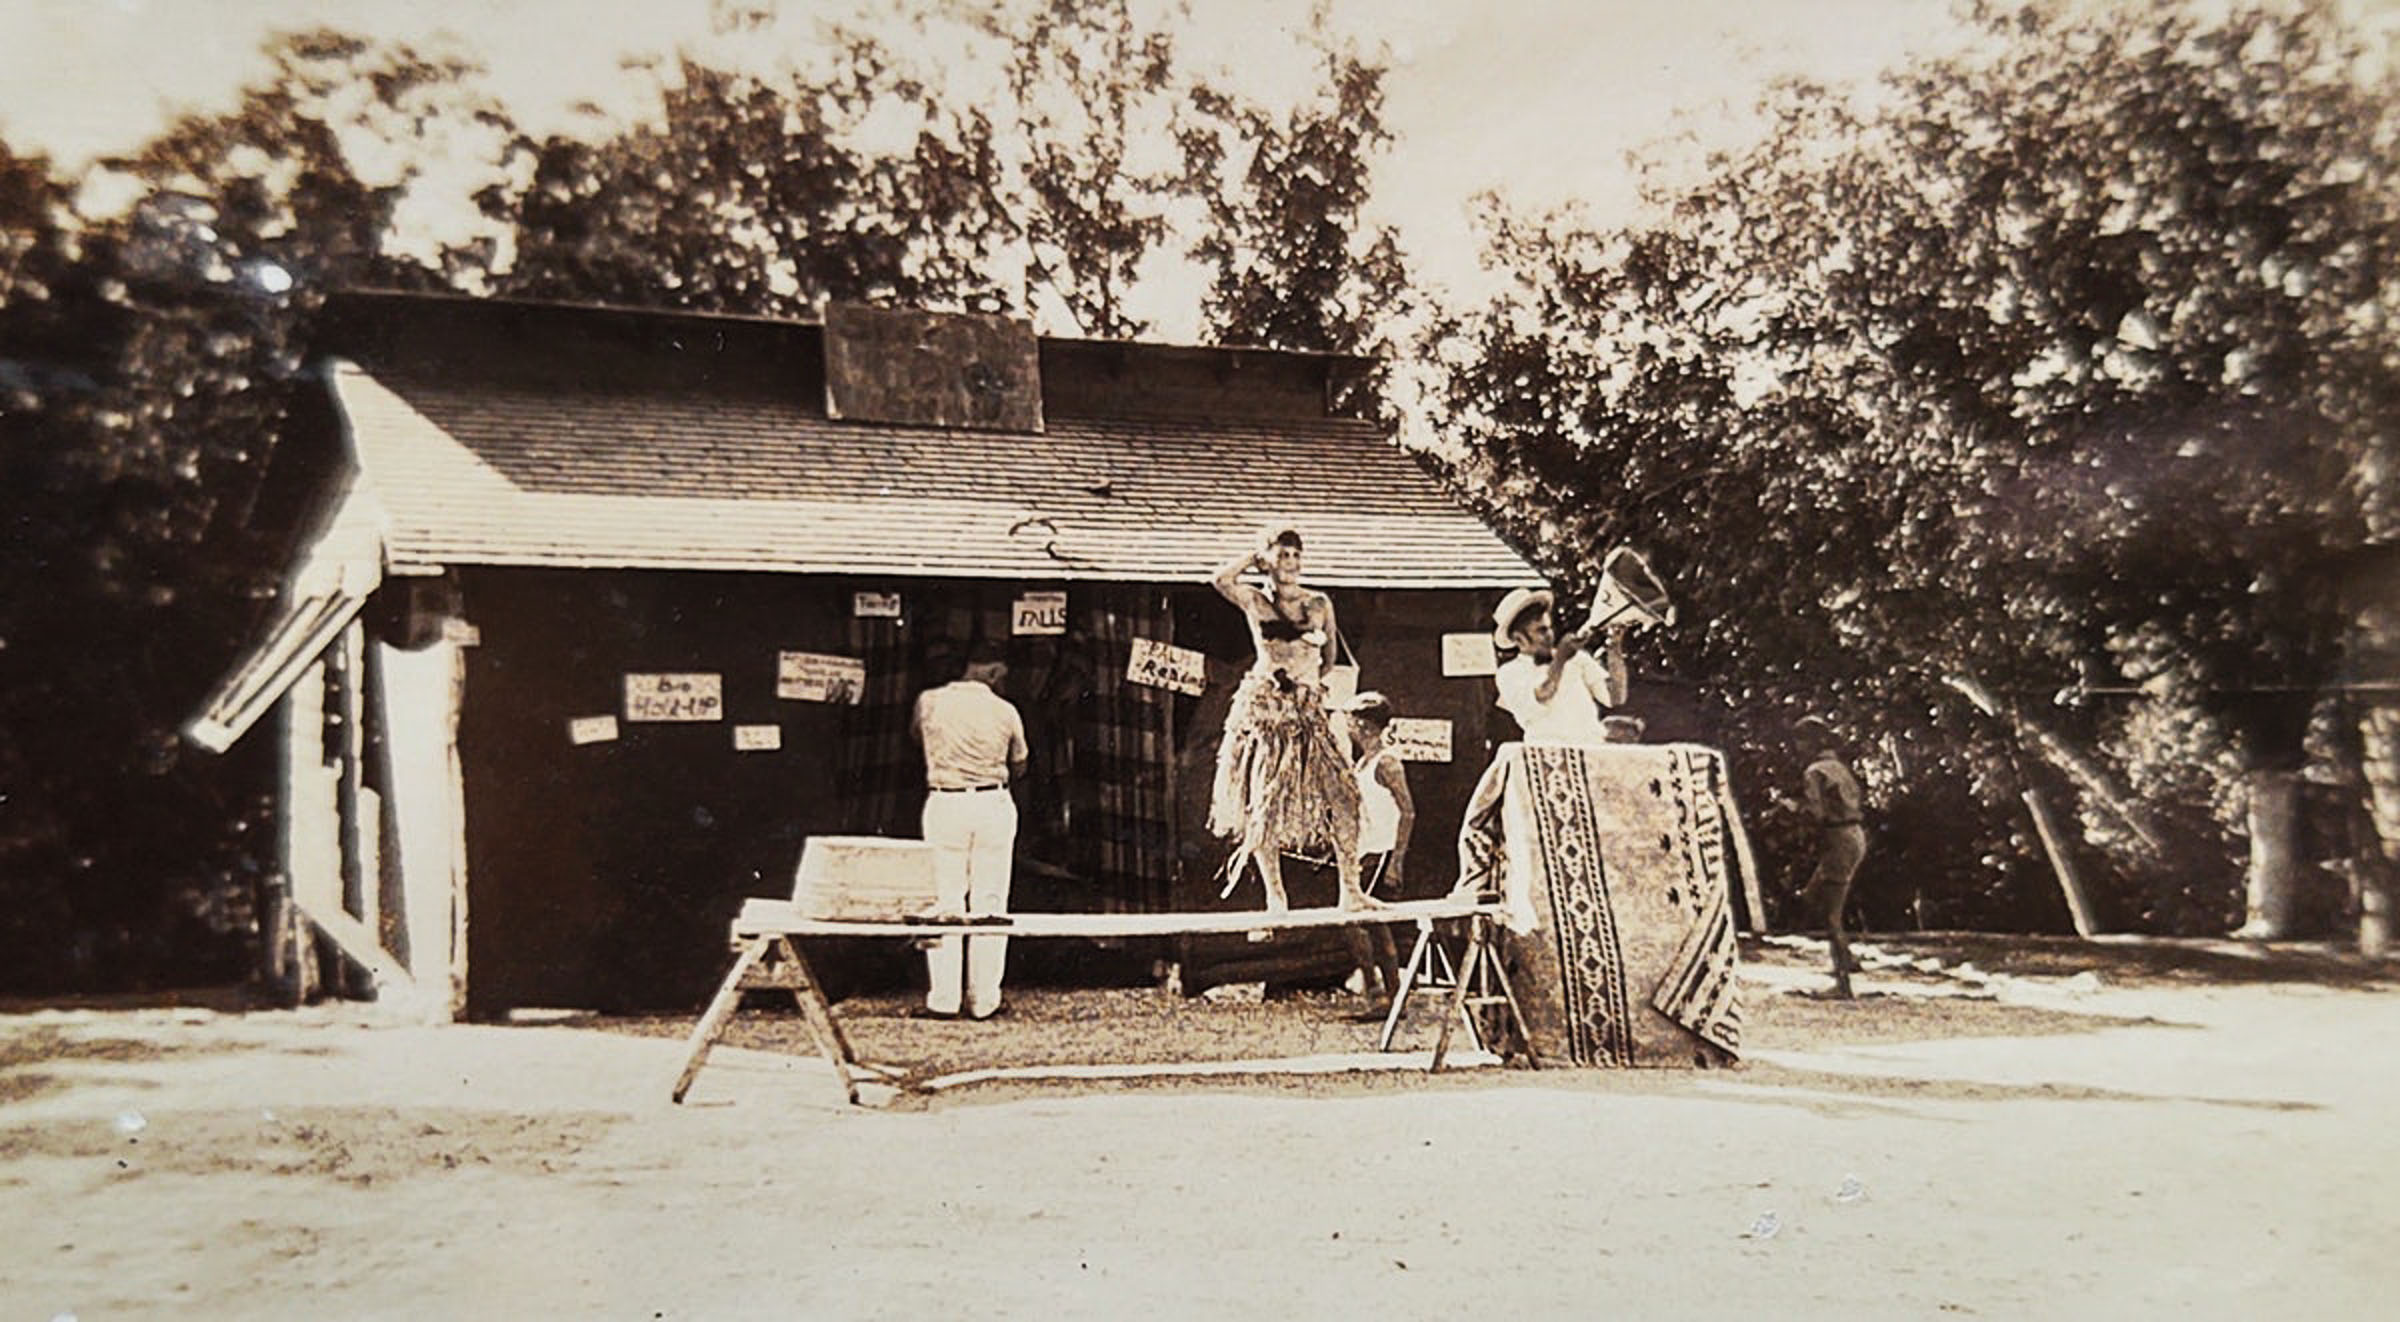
(1615, 863)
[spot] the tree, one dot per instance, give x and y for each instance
(1090, 103)
(1293, 262)
(152, 359)
(2057, 374)
(747, 196)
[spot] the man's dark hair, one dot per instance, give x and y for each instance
(1288, 537)
(945, 662)
(985, 652)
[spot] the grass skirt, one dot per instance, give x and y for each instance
(1279, 765)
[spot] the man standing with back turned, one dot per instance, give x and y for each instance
(974, 744)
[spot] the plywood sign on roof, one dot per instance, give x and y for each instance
(931, 369)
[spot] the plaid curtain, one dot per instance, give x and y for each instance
(882, 778)
(1099, 743)
(1118, 805)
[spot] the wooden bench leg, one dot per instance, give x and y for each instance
(1408, 984)
(819, 1013)
(1458, 994)
(1516, 1012)
(712, 1022)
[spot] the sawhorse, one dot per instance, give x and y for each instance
(1471, 984)
(765, 938)
(766, 962)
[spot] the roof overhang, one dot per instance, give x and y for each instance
(342, 569)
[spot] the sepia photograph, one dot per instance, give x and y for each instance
(877, 659)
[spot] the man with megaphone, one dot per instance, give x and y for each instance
(1555, 687)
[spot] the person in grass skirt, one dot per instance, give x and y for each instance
(1282, 781)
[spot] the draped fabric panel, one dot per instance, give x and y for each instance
(1123, 753)
(1096, 802)
(1615, 864)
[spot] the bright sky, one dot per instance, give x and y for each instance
(1539, 99)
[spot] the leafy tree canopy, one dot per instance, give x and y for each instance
(2060, 368)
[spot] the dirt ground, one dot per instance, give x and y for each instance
(2000, 1128)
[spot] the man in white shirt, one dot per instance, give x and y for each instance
(974, 744)
(1555, 688)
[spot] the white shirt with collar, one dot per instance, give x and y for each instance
(1572, 716)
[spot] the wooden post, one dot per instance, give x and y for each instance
(358, 845)
(2078, 907)
(1174, 760)
(312, 867)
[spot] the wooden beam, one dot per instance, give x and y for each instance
(769, 917)
(360, 944)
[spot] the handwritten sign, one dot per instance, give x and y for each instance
(1419, 738)
(817, 677)
(592, 729)
(674, 698)
(1039, 613)
(1469, 654)
(875, 605)
(757, 738)
(1166, 666)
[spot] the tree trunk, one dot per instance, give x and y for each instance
(2274, 875)
(2379, 740)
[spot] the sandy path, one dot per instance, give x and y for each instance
(2224, 1152)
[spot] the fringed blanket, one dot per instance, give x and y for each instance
(1615, 862)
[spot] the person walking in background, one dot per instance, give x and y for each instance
(1387, 815)
(1282, 782)
(974, 744)
(1554, 688)
(1836, 808)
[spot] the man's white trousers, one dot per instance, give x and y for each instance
(974, 839)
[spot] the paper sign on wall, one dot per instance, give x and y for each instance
(1467, 654)
(875, 605)
(1166, 666)
(757, 738)
(818, 677)
(1419, 738)
(1039, 613)
(674, 698)
(592, 729)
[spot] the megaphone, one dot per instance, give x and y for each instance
(1630, 593)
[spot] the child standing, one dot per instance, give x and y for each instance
(1386, 817)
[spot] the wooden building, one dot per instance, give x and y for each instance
(599, 613)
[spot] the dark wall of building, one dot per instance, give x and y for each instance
(603, 874)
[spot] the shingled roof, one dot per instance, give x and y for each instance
(624, 463)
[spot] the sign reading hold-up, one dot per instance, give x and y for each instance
(1166, 666)
(1039, 613)
(818, 677)
(674, 698)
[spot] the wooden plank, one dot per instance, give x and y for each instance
(768, 917)
(359, 943)
(945, 369)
